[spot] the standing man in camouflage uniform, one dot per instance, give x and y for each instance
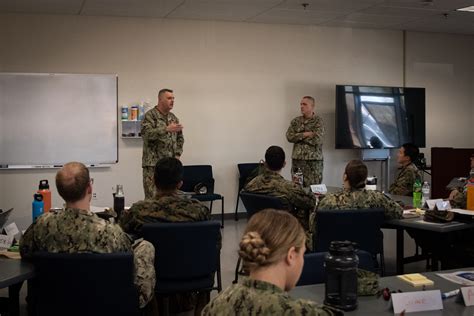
(403, 184)
(162, 137)
(307, 133)
(301, 203)
(167, 205)
(355, 196)
(77, 229)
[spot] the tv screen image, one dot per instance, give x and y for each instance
(369, 117)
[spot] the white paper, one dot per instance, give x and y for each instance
(6, 241)
(468, 295)
(97, 209)
(459, 277)
(432, 203)
(319, 188)
(461, 211)
(417, 301)
(11, 229)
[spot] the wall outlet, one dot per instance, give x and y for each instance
(94, 196)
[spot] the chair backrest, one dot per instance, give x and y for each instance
(358, 225)
(196, 174)
(314, 271)
(245, 169)
(84, 284)
(256, 202)
(184, 250)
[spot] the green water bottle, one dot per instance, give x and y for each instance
(417, 194)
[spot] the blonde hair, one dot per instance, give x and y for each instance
(268, 237)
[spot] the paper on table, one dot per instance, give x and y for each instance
(98, 209)
(459, 277)
(461, 211)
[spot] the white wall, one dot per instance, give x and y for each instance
(237, 86)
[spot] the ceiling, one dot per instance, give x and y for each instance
(412, 15)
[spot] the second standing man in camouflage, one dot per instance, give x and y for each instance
(307, 132)
(162, 137)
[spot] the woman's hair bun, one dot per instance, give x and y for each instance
(253, 249)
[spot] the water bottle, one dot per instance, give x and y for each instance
(417, 194)
(38, 206)
(43, 189)
(470, 192)
(119, 200)
(341, 275)
(425, 190)
(298, 177)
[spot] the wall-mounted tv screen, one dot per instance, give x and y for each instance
(379, 117)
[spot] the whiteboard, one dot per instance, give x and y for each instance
(47, 120)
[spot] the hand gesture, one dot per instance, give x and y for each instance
(174, 127)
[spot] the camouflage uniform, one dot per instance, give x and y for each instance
(171, 208)
(253, 297)
(307, 152)
(459, 200)
(360, 199)
(157, 144)
(75, 230)
(167, 208)
(403, 185)
(302, 203)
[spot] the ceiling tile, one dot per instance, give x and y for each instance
(397, 11)
(344, 6)
(444, 5)
(41, 6)
(295, 16)
(143, 8)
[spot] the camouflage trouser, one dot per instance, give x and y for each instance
(148, 182)
(312, 170)
(145, 277)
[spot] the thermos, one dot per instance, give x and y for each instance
(119, 200)
(43, 189)
(341, 275)
(38, 206)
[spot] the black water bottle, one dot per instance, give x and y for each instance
(119, 200)
(341, 275)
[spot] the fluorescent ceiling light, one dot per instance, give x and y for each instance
(468, 9)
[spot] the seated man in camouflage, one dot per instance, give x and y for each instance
(77, 229)
(355, 196)
(403, 184)
(168, 205)
(458, 196)
(301, 203)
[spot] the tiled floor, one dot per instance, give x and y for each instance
(231, 235)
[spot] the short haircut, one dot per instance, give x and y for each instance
(72, 181)
(412, 151)
(268, 237)
(310, 98)
(168, 173)
(275, 158)
(356, 173)
(163, 91)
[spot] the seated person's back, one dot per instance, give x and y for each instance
(76, 229)
(168, 204)
(355, 196)
(272, 249)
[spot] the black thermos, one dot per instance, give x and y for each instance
(341, 275)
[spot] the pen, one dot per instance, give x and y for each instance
(449, 294)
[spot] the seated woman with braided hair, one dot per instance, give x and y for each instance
(272, 249)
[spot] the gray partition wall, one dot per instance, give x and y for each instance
(50, 119)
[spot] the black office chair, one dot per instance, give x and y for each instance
(201, 175)
(187, 257)
(245, 169)
(83, 284)
(361, 226)
(314, 271)
(253, 203)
